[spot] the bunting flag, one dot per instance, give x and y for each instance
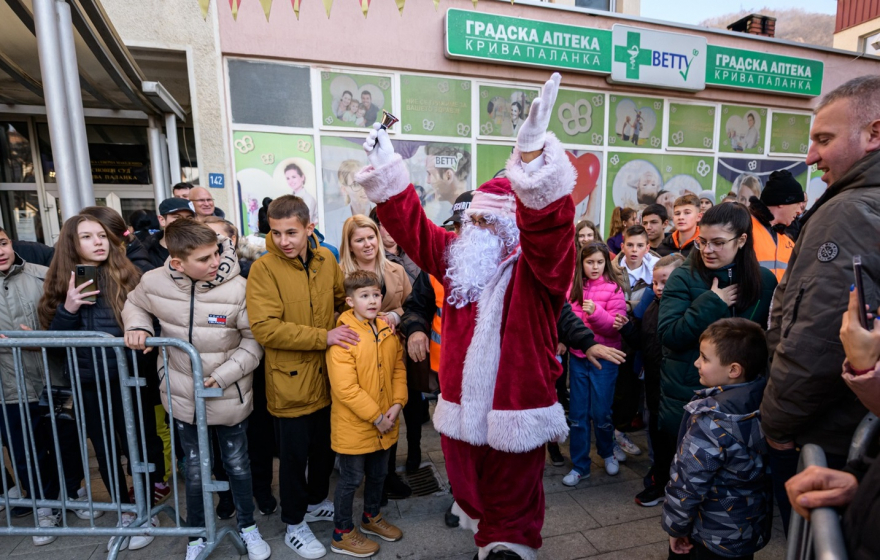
(203, 4)
(234, 4)
(267, 7)
(400, 4)
(475, 4)
(295, 4)
(327, 5)
(365, 6)
(436, 5)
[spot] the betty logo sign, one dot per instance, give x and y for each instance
(656, 58)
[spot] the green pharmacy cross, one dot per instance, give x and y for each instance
(632, 55)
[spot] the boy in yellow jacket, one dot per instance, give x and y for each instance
(368, 388)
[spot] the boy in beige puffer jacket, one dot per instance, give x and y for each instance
(198, 296)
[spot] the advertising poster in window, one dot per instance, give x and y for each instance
(272, 165)
(816, 187)
(790, 133)
(579, 117)
(435, 106)
(504, 109)
(354, 100)
(491, 160)
(439, 171)
(746, 177)
(636, 122)
(743, 129)
(637, 180)
(691, 127)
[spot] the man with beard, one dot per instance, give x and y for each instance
(506, 278)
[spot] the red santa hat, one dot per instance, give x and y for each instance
(494, 197)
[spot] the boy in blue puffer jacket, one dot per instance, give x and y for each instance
(718, 501)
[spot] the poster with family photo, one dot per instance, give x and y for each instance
(435, 106)
(579, 117)
(439, 171)
(636, 122)
(354, 100)
(637, 180)
(504, 109)
(790, 133)
(746, 177)
(691, 127)
(272, 165)
(743, 129)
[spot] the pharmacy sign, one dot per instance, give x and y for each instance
(656, 58)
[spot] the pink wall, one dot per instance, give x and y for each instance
(414, 41)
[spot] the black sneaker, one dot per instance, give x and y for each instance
(413, 462)
(396, 488)
(651, 496)
(268, 505)
(556, 458)
(450, 518)
(226, 507)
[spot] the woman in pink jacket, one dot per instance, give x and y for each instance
(597, 297)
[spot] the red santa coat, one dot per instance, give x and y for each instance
(498, 359)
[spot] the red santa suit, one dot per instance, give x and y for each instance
(497, 408)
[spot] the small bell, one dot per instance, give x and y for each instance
(388, 120)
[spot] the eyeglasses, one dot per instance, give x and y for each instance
(204, 200)
(716, 245)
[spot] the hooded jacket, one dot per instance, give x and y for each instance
(719, 493)
(634, 292)
(807, 401)
(291, 305)
(687, 307)
(365, 381)
(610, 301)
(671, 244)
(211, 316)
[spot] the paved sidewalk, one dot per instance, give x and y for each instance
(597, 520)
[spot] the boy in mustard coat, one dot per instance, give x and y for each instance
(368, 388)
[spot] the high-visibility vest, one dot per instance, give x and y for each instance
(772, 255)
(436, 323)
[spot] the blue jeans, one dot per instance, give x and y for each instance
(351, 472)
(592, 391)
(234, 453)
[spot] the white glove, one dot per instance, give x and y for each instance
(384, 152)
(533, 130)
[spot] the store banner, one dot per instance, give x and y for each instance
(657, 58)
(523, 42)
(691, 127)
(790, 133)
(738, 68)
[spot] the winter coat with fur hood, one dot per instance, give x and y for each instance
(212, 316)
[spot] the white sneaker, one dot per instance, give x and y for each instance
(47, 519)
(82, 496)
(573, 477)
(195, 548)
(141, 541)
(626, 444)
(13, 494)
(127, 519)
(612, 467)
(257, 548)
(619, 454)
(301, 540)
(322, 512)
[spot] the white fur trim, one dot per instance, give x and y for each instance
(447, 418)
(525, 552)
(547, 185)
(464, 520)
(519, 431)
(383, 182)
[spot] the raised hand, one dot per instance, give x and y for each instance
(533, 131)
(378, 147)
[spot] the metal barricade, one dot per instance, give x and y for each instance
(38, 451)
(822, 536)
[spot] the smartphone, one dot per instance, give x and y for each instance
(860, 291)
(84, 273)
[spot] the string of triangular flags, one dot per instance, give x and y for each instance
(267, 6)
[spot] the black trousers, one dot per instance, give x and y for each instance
(303, 442)
(562, 383)
(413, 414)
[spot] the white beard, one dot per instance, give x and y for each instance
(475, 257)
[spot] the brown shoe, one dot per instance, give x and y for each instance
(382, 529)
(354, 544)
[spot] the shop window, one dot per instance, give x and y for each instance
(129, 205)
(16, 164)
(20, 211)
(594, 4)
(119, 154)
(270, 93)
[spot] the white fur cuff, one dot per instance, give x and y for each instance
(465, 521)
(547, 185)
(382, 183)
(519, 431)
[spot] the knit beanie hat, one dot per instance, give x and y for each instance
(708, 195)
(495, 196)
(781, 189)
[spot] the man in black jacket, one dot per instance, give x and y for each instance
(169, 210)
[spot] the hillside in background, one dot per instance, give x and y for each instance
(792, 24)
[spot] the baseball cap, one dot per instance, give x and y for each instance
(462, 203)
(172, 205)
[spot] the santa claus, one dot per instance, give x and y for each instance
(506, 278)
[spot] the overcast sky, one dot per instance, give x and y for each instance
(695, 11)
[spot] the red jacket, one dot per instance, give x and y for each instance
(513, 408)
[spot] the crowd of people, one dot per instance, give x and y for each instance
(728, 332)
